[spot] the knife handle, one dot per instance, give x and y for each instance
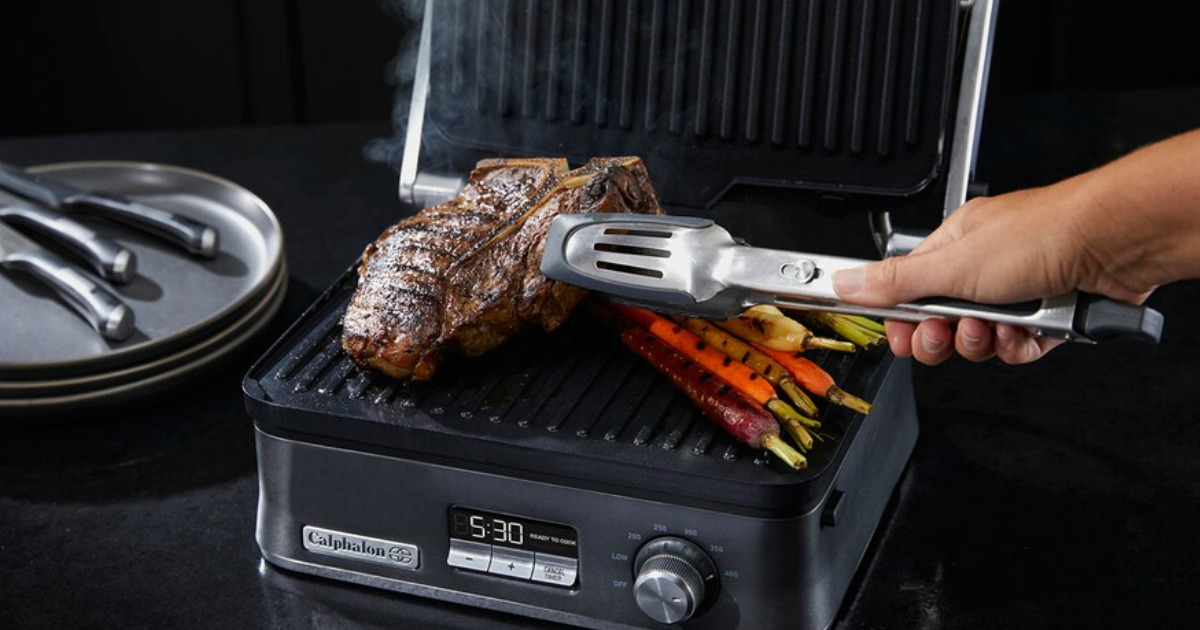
(111, 261)
(197, 238)
(98, 305)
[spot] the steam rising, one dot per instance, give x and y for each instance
(399, 73)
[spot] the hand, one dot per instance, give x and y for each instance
(1119, 231)
(1019, 246)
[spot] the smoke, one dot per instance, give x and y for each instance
(399, 73)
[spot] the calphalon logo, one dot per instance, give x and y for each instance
(334, 543)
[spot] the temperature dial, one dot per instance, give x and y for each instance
(674, 579)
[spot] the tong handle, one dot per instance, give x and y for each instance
(806, 281)
(107, 314)
(110, 259)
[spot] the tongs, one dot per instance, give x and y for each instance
(694, 267)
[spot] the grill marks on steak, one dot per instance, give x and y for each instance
(466, 275)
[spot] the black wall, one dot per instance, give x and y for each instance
(91, 65)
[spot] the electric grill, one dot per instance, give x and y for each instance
(559, 477)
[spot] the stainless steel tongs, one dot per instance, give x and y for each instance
(693, 266)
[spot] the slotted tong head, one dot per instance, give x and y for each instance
(692, 266)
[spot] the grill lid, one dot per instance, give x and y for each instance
(824, 96)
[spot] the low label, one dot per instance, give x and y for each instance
(329, 542)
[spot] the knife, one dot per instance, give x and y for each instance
(91, 299)
(195, 237)
(110, 259)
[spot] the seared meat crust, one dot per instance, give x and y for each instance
(465, 275)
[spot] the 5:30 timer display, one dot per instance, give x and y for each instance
(513, 531)
(490, 528)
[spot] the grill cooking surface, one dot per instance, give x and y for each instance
(574, 401)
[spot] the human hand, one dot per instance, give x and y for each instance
(1010, 248)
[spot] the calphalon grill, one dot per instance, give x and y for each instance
(557, 475)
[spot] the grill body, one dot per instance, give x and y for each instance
(601, 444)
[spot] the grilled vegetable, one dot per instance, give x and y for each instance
(768, 326)
(866, 322)
(733, 372)
(849, 326)
(769, 368)
(736, 413)
(816, 380)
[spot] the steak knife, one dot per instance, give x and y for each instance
(110, 259)
(103, 309)
(195, 237)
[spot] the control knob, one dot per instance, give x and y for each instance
(674, 578)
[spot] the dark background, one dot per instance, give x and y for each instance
(117, 65)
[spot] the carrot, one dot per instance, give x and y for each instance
(769, 368)
(737, 374)
(735, 412)
(816, 380)
(733, 372)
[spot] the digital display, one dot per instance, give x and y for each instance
(513, 531)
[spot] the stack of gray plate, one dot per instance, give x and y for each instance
(191, 313)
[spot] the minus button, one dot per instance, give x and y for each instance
(465, 554)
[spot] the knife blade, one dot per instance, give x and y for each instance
(195, 237)
(110, 259)
(103, 309)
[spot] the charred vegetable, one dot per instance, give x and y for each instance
(737, 374)
(861, 331)
(768, 326)
(732, 410)
(816, 380)
(769, 368)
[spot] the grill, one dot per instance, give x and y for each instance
(559, 477)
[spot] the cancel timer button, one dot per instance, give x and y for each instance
(556, 570)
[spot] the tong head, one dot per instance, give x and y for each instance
(664, 263)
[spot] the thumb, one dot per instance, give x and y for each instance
(898, 279)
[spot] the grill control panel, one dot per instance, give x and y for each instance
(513, 547)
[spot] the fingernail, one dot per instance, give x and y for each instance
(931, 345)
(849, 281)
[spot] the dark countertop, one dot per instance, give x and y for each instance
(1063, 493)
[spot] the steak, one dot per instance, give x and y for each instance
(465, 276)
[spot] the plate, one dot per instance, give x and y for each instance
(177, 298)
(171, 374)
(28, 391)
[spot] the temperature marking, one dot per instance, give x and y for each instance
(660, 528)
(620, 557)
(620, 584)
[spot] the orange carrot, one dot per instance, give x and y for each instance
(687, 343)
(739, 375)
(816, 380)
